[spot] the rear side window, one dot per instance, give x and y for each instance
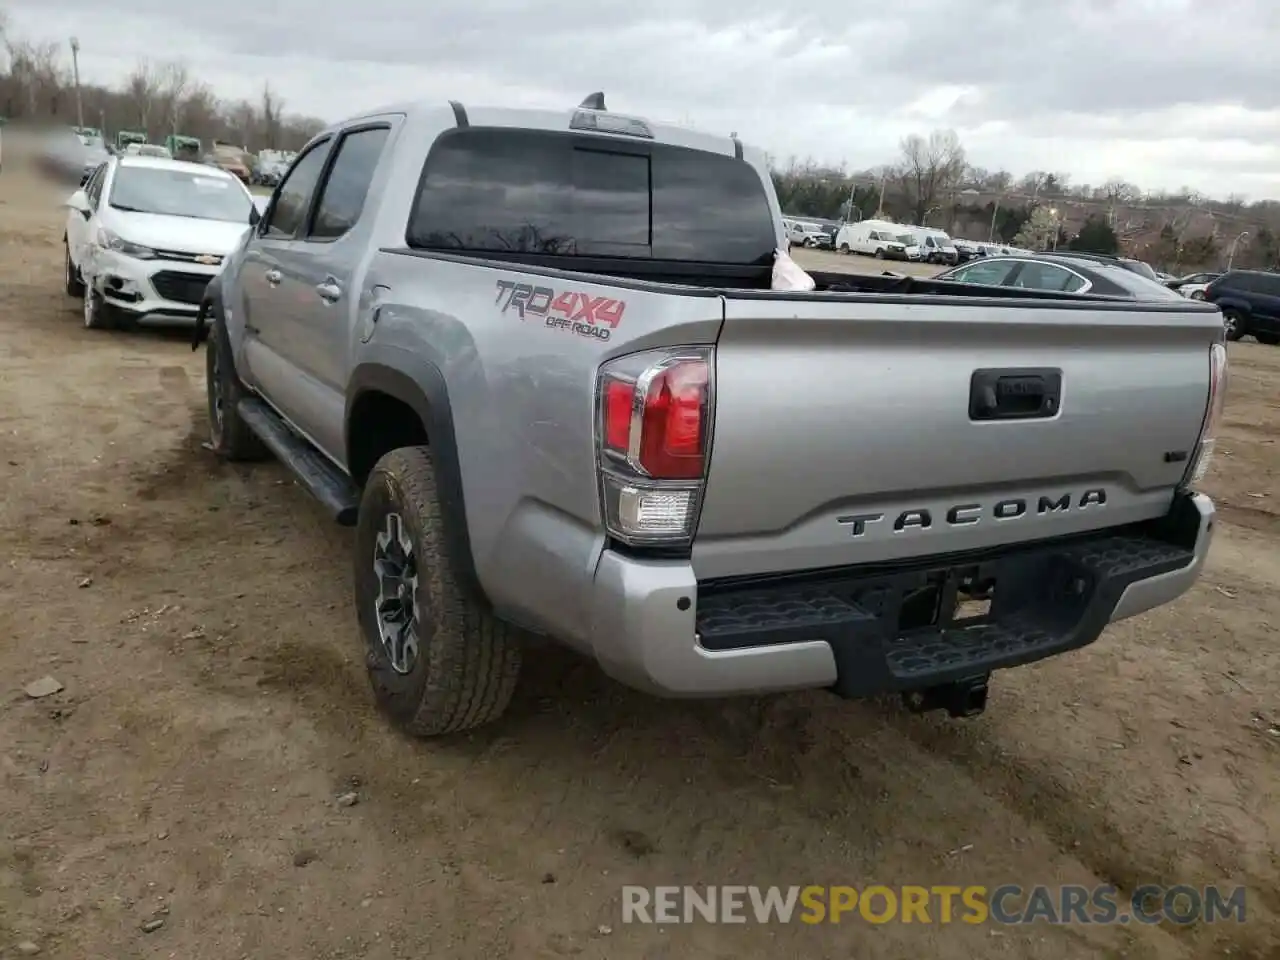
(343, 194)
(1136, 284)
(1048, 276)
(538, 192)
(990, 273)
(1264, 283)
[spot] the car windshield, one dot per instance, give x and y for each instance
(179, 193)
(907, 239)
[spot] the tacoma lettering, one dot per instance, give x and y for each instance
(967, 514)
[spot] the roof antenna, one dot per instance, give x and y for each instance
(594, 101)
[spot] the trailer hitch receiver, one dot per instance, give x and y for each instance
(963, 698)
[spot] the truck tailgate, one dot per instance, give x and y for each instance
(844, 432)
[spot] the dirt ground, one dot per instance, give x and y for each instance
(214, 707)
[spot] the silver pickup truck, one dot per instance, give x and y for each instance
(535, 359)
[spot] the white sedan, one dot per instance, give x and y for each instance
(145, 236)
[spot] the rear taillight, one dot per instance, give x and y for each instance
(655, 431)
(1203, 457)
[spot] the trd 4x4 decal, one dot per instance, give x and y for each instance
(572, 310)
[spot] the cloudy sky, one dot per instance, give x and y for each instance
(1161, 92)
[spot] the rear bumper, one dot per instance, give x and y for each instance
(867, 631)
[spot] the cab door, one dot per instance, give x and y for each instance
(320, 288)
(263, 293)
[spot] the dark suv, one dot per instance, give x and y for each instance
(1250, 304)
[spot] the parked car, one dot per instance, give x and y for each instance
(147, 150)
(1059, 272)
(1194, 291)
(497, 366)
(234, 160)
(1192, 280)
(935, 245)
(145, 235)
(968, 250)
(1250, 304)
(805, 234)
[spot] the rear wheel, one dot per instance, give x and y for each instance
(1197, 294)
(844, 248)
(229, 436)
(438, 661)
(1233, 325)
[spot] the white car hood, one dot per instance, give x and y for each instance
(180, 234)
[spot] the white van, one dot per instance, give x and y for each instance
(936, 246)
(879, 239)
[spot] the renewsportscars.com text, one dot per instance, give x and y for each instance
(973, 904)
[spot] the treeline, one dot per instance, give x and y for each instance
(931, 183)
(160, 97)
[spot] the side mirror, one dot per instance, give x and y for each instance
(254, 216)
(79, 201)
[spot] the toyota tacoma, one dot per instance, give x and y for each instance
(536, 359)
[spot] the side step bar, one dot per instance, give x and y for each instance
(323, 480)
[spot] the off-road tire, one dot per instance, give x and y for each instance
(233, 440)
(74, 285)
(468, 660)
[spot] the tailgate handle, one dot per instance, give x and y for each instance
(1015, 394)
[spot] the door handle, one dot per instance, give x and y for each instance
(274, 276)
(329, 291)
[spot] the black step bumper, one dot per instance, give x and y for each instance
(899, 627)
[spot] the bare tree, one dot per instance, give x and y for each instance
(929, 169)
(272, 113)
(1033, 183)
(242, 121)
(1117, 190)
(142, 87)
(173, 84)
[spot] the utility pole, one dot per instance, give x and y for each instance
(1231, 254)
(75, 74)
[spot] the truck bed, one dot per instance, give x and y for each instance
(845, 429)
(655, 274)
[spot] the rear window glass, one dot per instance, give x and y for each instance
(1140, 268)
(1135, 283)
(538, 192)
